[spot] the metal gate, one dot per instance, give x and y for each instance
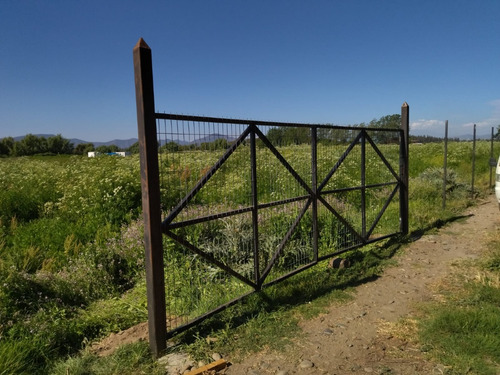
(233, 206)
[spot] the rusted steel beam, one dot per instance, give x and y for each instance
(403, 167)
(314, 188)
(148, 146)
(223, 120)
(255, 209)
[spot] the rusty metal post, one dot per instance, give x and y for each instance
(404, 167)
(473, 160)
(148, 146)
(363, 184)
(492, 159)
(314, 189)
(445, 163)
(255, 209)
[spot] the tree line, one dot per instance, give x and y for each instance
(55, 145)
(285, 136)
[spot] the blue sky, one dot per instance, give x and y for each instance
(66, 66)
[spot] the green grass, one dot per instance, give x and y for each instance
(132, 359)
(463, 331)
(71, 256)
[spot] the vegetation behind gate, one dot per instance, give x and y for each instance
(71, 252)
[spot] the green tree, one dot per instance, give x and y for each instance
(296, 136)
(83, 148)
(7, 146)
(134, 149)
(221, 144)
(30, 145)
(275, 136)
(170, 146)
(59, 145)
(497, 135)
(106, 149)
(385, 122)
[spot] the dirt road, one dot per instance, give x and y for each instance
(355, 338)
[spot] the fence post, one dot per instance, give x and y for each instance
(255, 209)
(473, 160)
(314, 188)
(404, 167)
(492, 159)
(445, 170)
(148, 146)
(363, 184)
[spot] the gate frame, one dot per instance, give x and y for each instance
(148, 145)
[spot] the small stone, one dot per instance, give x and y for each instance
(211, 340)
(201, 364)
(264, 365)
(216, 356)
(306, 364)
(253, 372)
(368, 369)
(439, 369)
(328, 331)
(282, 372)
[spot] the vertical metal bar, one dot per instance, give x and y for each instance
(445, 170)
(473, 159)
(148, 145)
(255, 210)
(404, 167)
(363, 184)
(491, 158)
(314, 186)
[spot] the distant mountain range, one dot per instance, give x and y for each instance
(469, 137)
(122, 143)
(126, 143)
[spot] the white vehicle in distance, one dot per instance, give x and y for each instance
(497, 182)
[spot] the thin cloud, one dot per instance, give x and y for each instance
(426, 124)
(492, 121)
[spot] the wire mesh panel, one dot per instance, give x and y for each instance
(245, 204)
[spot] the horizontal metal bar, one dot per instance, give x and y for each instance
(359, 188)
(202, 219)
(221, 120)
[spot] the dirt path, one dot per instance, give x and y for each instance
(353, 338)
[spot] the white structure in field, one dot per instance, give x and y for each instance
(93, 154)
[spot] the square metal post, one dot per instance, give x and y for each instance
(150, 183)
(404, 167)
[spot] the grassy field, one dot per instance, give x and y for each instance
(71, 253)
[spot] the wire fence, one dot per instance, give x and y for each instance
(245, 205)
(233, 206)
